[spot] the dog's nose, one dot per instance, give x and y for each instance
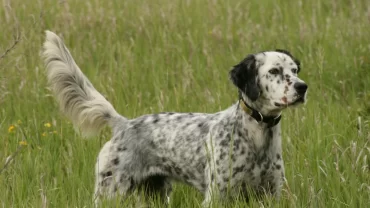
(301, 88)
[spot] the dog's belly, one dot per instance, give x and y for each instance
(184, 158)
(171, 144)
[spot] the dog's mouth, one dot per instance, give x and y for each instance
(299, 100)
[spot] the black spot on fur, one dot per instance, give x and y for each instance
(115, 161)
(120, 149)
(267, 164)
(191, 174)
(188, 124)
(237, 143)
(106, 174)
(278, 156)
(107, 115)
(199, 148)
(240, 133)
(222, 155)
(252, 167)
(233, 158)
(228, 136)
(224, 142)
(152, 144)
(242, 152)
(136, 126)
(262, 158)
(237, 170)
(267, 88)
(204, 128)
(177, 170)
(278, 166)
(156, 118)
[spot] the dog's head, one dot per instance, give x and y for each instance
(268, 81)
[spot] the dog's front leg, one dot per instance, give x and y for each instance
(212, 195)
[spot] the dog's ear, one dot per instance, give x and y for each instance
(244, 76)
(297, 62)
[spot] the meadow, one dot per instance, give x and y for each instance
(172, 55)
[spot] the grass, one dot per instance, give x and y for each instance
(164, 55)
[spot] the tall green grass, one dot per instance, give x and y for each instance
(173, 55)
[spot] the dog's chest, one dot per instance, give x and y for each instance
(263, 156)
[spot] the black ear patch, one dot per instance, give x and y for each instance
(296, 61)
(244, 76)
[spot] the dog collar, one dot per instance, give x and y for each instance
(269, 120)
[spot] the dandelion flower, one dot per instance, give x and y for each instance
(44, 134)
(11, 128)
(48, 125)
(23, 143)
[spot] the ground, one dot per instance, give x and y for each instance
(173, 55)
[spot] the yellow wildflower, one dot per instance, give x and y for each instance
(44, 134)
(48, 125)
(11, 128)
(23, 143)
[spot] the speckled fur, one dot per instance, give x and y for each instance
(211, 152)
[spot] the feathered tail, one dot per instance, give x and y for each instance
(88, 110)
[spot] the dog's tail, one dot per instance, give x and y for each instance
(78, 99)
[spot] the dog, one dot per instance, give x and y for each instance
(238, 148)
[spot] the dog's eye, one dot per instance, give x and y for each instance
(274, 71)
(294, 70)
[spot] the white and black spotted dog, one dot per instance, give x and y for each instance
(239, 147)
